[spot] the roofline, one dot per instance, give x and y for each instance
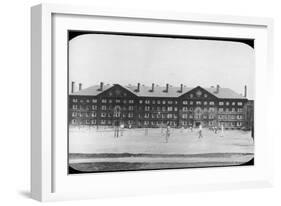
(163, 97)
(200, 88)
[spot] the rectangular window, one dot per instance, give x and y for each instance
(184, 116)
(198, 102)
(170, 102)
(169, 116)
(74, 121)
(131, 101)
(239, 110)
(94, 100)
(176, 109)
(220, 109)
(93, 121)
(239, 116)
(74, 114)
(227, 103)
(163, 102)
(184, 102)
(74, 106)
(94, 107)
(147, 101)
(191, 102)
(103, 107)
(170, 109)
(233, 103)
(140, 101)
(103, 100)
(211, 109)
(212, 103)
(146, 115)
(94, 114)
(125, 101)
(103, 114)
(146, 108)
(221, 103)
(74, 100)
(131, 108)
(117, 100)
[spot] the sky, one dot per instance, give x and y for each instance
(120, 59)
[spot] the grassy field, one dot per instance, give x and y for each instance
(94, 150)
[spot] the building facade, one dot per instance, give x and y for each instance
(155, 106)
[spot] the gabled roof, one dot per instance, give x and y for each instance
(159, 91)
(225, 93)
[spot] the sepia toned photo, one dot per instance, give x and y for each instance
(145, 102)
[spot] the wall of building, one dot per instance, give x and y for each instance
(188, 110)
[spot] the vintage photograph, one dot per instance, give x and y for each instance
(145, 101)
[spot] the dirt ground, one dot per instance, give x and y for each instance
(93, 150)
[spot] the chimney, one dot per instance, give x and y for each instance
(101, 86)
(245, 91)
(80, 86)
(167, 88)
(218, 89)
(152, 87)
(181, 89)
(138, 88)
(72, 87)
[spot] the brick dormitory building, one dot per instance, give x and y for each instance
(155, 106)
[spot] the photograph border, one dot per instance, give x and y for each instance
(42, 85)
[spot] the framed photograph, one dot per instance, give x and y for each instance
(137, 102)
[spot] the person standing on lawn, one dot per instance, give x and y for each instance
(168, 133)
(200, 131)
(222, 131)
(216, 129)
(116, 129)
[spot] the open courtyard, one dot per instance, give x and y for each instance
(97, 150)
